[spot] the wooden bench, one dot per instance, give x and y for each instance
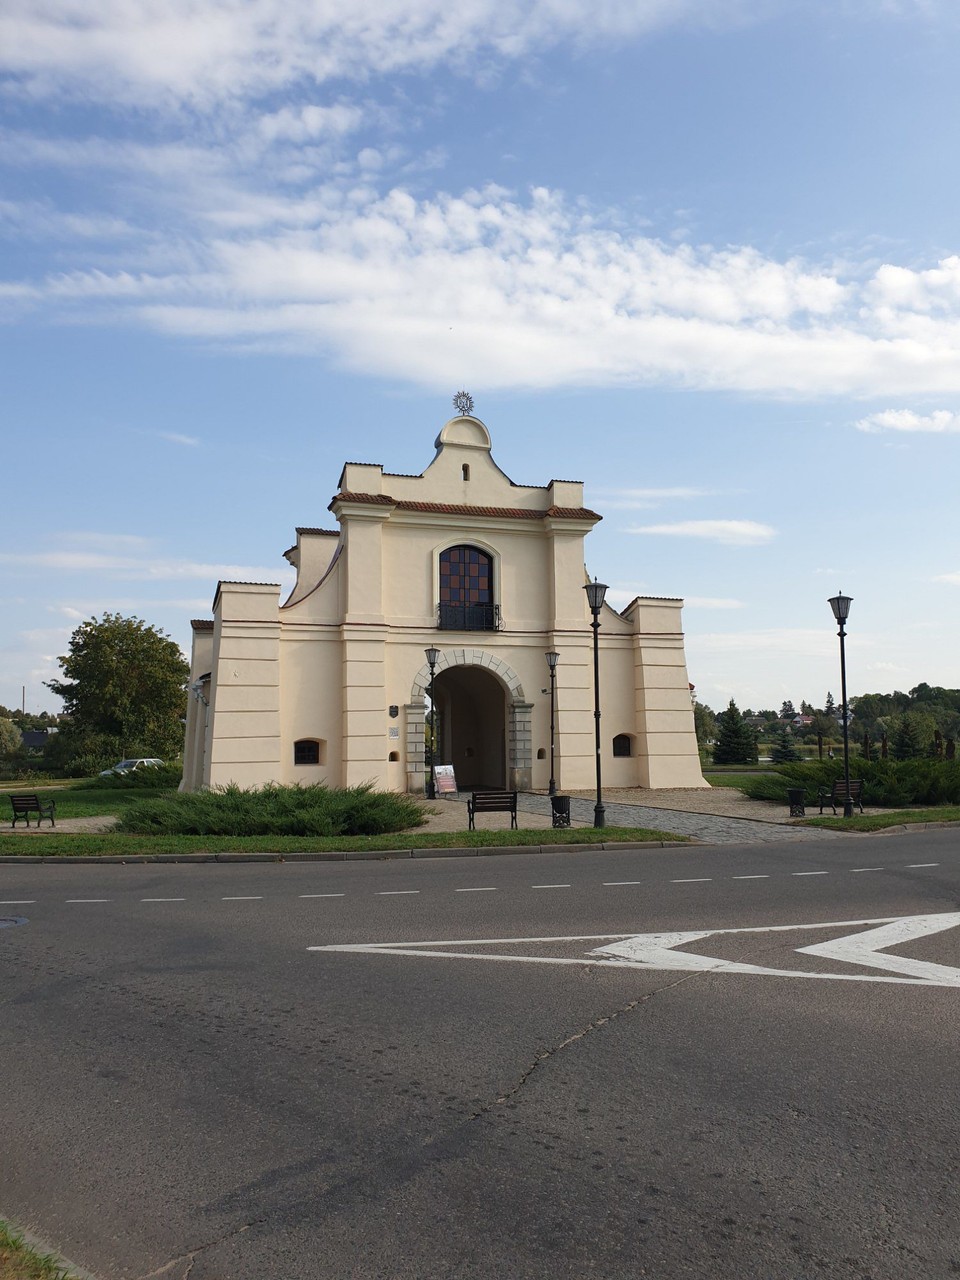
(492, 802)
(838, 794)
(24, 805)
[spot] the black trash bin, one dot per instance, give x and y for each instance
(561, 810)
(795, 801)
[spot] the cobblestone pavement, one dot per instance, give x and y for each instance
(711, 828)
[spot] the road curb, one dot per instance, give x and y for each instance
(911, 826)
(345, 855)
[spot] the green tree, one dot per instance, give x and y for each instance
(823, 725)
(787, 710)
(705, 723)
(911, 737)
(736, 741)
(10, 738)
(829, 707)
(784, 750)
(124, 683)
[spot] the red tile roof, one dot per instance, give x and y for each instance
(459, 509)
(327, 533)
(202, 624)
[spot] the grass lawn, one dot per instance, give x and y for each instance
(19, 1262)
(121, 846)
(734, 779)
(75, 803)
(892, 818)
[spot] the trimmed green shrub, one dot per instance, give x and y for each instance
(886, 783)
(274, 810)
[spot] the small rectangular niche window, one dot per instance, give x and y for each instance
(465, 471)
(309, 751)
(623, 745)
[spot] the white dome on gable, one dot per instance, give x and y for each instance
(468, 432)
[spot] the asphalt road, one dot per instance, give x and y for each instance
(190, 1090)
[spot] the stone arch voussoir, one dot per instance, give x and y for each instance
(469, 657)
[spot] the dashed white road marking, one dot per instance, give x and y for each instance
(386, 893)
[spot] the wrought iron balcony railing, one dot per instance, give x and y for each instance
(468, 617)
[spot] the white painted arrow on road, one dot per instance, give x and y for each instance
(865, 948)
(657, 951)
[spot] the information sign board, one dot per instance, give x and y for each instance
(444, 779)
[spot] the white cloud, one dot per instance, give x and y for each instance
(734, 533)
(711, 602)
(39, 219)
(128, 566)
(530, 293)
(79, 611)
(307, 123)
(112, 541)
(952, 578)
(156, 51)
(941, 421)
(645, 499)
(803, 642)
(514, 291)
(176, 438)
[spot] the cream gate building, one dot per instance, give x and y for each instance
(332, 684)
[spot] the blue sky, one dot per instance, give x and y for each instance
(701, 254)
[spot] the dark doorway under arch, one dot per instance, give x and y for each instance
(472, 707)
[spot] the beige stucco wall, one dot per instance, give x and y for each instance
(349, 641)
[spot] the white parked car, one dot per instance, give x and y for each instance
(128, 766)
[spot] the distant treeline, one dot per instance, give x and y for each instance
(921, 716)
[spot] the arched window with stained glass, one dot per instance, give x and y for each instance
(466, 590)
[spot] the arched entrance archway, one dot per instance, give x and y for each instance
(485, 729)
(471, 704)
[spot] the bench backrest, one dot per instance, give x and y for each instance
(493, 799)
(22, 803)
(856, 786)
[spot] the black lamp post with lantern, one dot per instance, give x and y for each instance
(433, 657)
(596, 591)
(840, 604)
(552, 660)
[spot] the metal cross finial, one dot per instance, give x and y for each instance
(463, 402)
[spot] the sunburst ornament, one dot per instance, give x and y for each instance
(463, 403)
